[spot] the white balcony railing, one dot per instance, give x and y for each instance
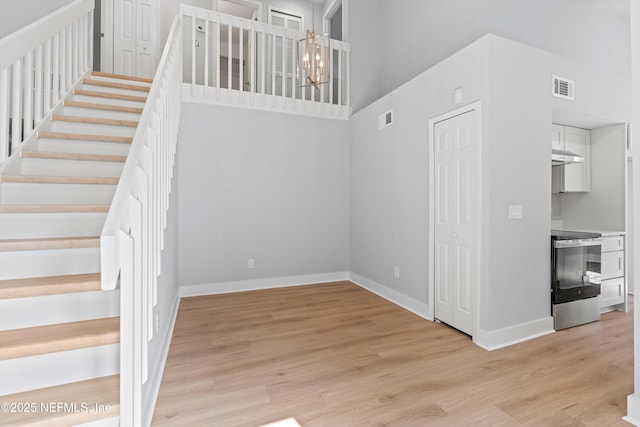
(231, 60)
(39, 65)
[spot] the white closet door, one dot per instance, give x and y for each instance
(455, 221)
(124, 37)
(135, 37)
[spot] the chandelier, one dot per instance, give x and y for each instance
(314, 61)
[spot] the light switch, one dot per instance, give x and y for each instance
(515, 211)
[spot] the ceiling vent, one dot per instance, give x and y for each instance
(385, 119)
(563, 88)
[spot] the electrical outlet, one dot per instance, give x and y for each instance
(251, 263)
(396, 272)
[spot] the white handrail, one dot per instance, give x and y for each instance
(232, 60)
(33, 80)
(133, 235)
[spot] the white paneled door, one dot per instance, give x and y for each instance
(135, 37)
(455, 220)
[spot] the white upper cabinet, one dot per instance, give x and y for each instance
(575, 177)
(557, 137)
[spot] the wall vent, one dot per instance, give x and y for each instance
(385, 119)
(563, 88)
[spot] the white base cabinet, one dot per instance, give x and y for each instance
(613, 290)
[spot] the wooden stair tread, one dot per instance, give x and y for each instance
(94, 120)
(95, 393)
(122, 76)
(100, 94)
(72, 156)
(115, 85)
(49, 179)
(53, 208)
(84, 136)
(59, 337)
(53, 285)
(49, 243)
(96, 106)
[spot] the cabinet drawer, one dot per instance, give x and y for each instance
(612, 243)
(612, 292)
(612, 265)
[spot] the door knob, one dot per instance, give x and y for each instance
(455, 235)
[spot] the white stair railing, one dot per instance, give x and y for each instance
(231, 60)
(39, 66)
(133, 235)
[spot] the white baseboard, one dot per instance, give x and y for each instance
(404, 301)
(633, 410)
(493, 340)
(155, 379)
(257, 284)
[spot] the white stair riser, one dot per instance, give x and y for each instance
(59, 167)
(109, 101)
(90, 147)
(89, 128)
(58, 262)
(104, 422)
(33, 194)
(104, 114)
(44, 225)
(115, 90)
(46, 370)
(121, 81)
(18, 313)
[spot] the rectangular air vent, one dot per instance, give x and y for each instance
(563, 88)
(385, 119)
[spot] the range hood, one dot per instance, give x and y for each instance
(561, 157)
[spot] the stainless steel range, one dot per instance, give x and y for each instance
(575, 278)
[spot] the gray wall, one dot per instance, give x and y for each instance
(389, 209)
(12, 18)
(261, 185)
(409, 36)
(389, 172)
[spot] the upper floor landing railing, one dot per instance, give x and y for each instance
(39, 64)
(231, 60)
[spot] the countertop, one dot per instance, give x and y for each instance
(603, 233)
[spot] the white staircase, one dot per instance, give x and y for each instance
(59, 332)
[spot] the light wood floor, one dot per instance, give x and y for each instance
(337, 355)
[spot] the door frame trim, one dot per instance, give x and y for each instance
(475, 107)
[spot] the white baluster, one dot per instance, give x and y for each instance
(218, 58)
(193, 55)
(27, 101)
(37, 99)
(4, 114)
(229, 59)
(46, 101)
(58, 60)
(16, 99)
(206, 57)
(241, 60)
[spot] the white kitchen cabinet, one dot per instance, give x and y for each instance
(612, 292)
(612, 264)
(574, 177)
(613, 289)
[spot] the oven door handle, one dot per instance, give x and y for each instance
(577, 243)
